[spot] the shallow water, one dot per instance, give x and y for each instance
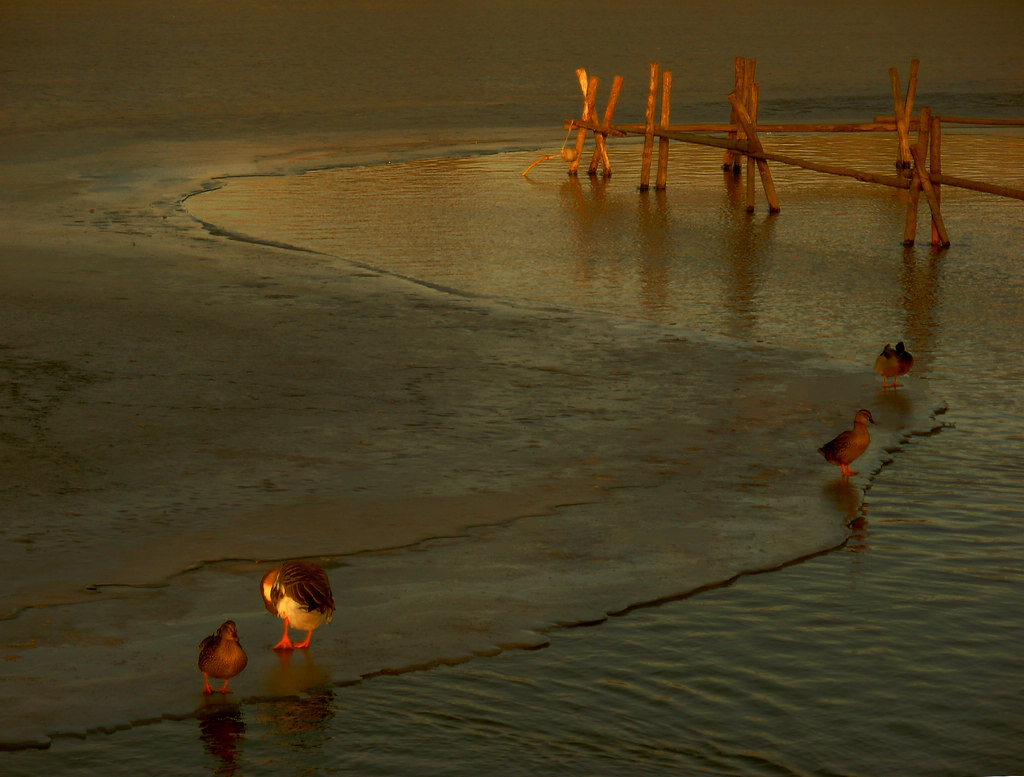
(896, 654)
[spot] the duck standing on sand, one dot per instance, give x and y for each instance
(221, 656)
(300, 593)
(848, 445)
(893, 362)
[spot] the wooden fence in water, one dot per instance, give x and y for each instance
(918, 160)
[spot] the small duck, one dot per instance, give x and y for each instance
(893, 362)
(221, 656)
(300, 593)
(848, 445)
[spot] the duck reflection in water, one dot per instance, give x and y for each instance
(221, 733)
(847, 498)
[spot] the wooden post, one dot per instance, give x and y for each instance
(754, 146)
(600, 152)
(746, 86)
(902, 110)
(731, 159)
(589, 99)
(935, 165)
(929, 192)
(908, 104)
(652, 100)
(750, 101)
(910, 226)
(666, 99)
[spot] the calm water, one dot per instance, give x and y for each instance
(897, 654)
(894, 655)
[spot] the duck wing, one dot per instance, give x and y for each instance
(306, 584)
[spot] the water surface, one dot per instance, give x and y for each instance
(896, 653)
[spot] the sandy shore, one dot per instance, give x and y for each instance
(182, 409)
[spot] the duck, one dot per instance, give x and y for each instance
(847, 446)
(299, 592)
(221, 656)
(893, 362)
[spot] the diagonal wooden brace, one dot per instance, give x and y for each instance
(600, 152)
(754, 145)
(929, 192)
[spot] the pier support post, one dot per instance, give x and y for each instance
(666, 99)
(754, 145)
(922, 180)
(914, 196)
(600, 151)
(589, 87)
(903, 109)
(731, 159)
(935, 167)
(652, 100)
(750, 98)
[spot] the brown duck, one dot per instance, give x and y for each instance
(299, 592)
(221, 656)
(848, 445)
(893, 362)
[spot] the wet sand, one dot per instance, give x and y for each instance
(182, 409)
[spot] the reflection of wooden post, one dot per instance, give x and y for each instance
(652, 100)
(935, 165)
(666, 99)
(731, 158)
(590, 97)
(601, 153)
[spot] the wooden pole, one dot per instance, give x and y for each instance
(908, 103)
(731, 159)
(600, 151)
(743, 147)
(581, 135)
(751, 103)
(987, 122)
(589, 99)
(929, 192)
(978, 186)
(935, 166)
(910, 226)
(902, 130)
(652, 100)
(666, 95)
(870, 126)
(754, 148)
(746, 85)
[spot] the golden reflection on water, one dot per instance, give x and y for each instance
(294, 674)
(920, 286)
(296, 718)
(829, 267)
(304, 719)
